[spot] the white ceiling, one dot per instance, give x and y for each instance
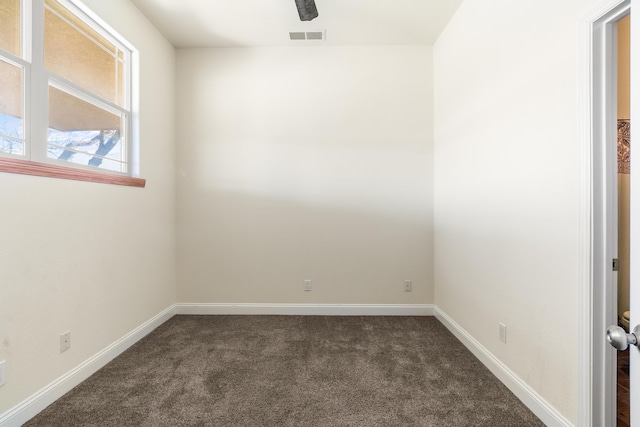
(229, 23)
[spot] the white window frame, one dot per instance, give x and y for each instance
(37, 80)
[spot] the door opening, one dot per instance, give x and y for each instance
(623, 63)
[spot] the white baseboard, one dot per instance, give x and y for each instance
(307, 309)
(30, 407)
(543, 410)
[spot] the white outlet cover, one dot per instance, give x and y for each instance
(503, 332)
(65, 341)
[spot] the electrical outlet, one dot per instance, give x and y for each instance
(503, 332)
(65, 341)
(307, 285)
(2, 373)
(408, 285)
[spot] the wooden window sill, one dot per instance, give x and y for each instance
(42, 169)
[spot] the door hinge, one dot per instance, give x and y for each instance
(615, 264)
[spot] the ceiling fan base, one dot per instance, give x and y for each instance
(307, 9)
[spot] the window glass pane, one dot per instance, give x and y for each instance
(11, 110)
(10, 26)
(120, 76)
(77, 52)
(82, 133)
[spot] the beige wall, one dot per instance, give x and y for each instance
(624, 68)
(507, 185)
(97, 260)
(305, 163)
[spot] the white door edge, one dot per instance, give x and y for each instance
(635, 213)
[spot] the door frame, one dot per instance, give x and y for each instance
(598, 221)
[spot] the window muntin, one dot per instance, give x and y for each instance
(80, 90)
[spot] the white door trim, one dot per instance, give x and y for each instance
(597, 91)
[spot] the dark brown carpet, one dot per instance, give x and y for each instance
(292, 371)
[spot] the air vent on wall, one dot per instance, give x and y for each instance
(308, 35)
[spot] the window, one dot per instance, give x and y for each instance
(65, 93)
